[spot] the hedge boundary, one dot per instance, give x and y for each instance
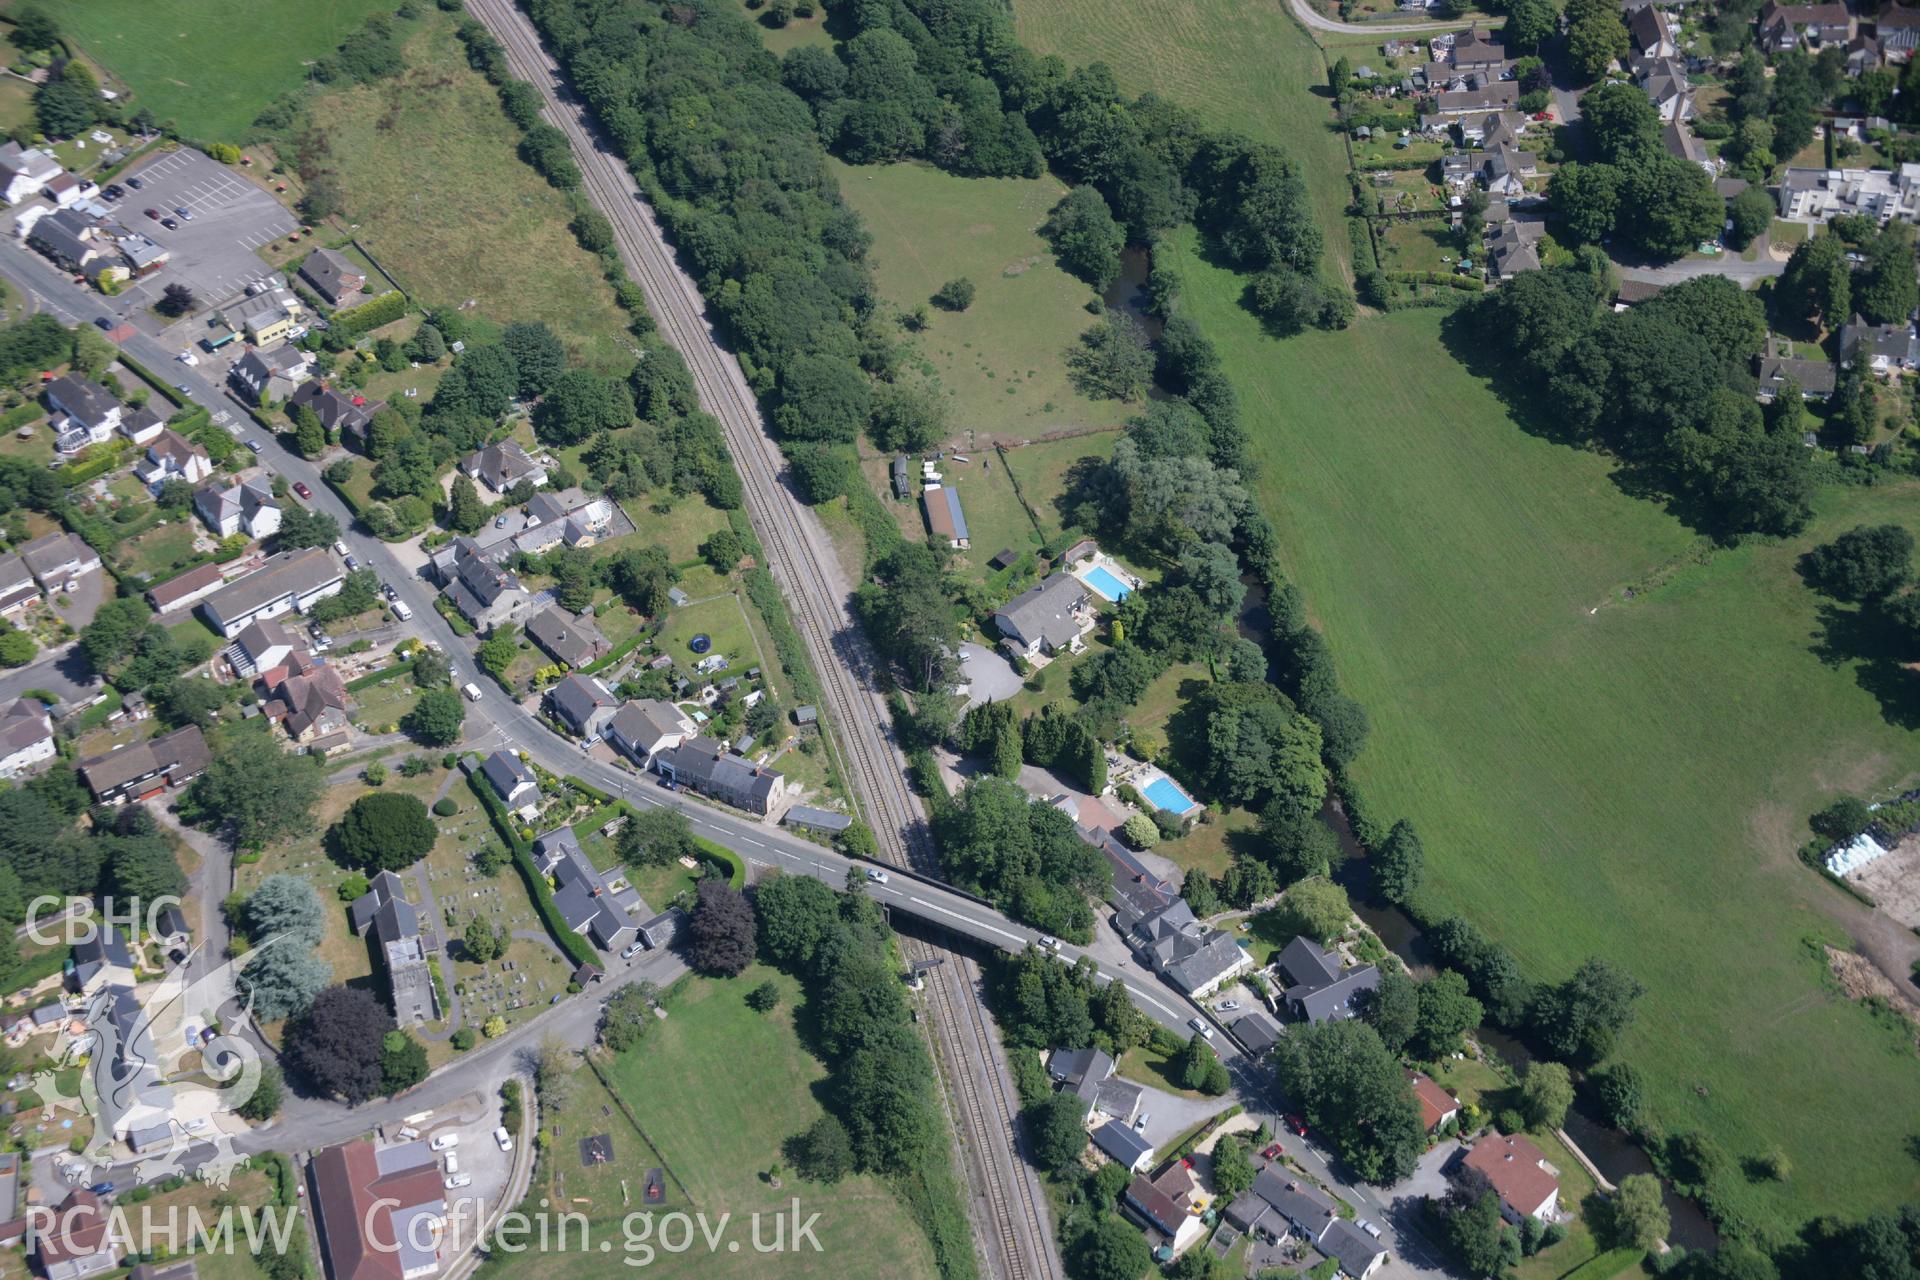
(575, 947)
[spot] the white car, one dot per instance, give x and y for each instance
(876, 875)
(457, 1181)
(1228, 1006)
(504, 1138)
(633, 950)
(448, 1141)
(1201, 1025)
(1141, 1123)
(1049, 944)
(453, 1163)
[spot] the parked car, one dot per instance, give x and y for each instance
(114, 191)
(1141, 1124)
(453, 1162)
(136, 183)
(300, 487)
(253, 443)
(101, 1188)
(169, 224)
(152, 213)
(445, 1142)
(1228, 1006)
(186, 214)
(386, 588)
(633, 950)
(104, 322)
(1296, 1124)
(1201, 1025)
(402, 610)
(457, 1181)
(504, 1138)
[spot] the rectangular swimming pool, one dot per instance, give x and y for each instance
(1164, 793)
(1101, 579)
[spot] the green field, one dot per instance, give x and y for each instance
(1002, 359)
(476, 223)
(1592, 776)
(203, 70)
(1242, 65)
(718, 1088)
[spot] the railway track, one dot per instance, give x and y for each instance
(1008, 1201)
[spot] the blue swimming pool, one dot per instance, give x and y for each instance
(1163, 793)
(1102, 579)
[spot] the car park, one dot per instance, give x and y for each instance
(300, 487)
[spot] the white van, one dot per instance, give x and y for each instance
(402, 610)
(472, 691)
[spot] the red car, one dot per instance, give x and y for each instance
(1272, 1152)
(301, 489)
(152, 213)
(1296, 1124)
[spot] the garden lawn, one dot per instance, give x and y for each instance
(1002, 360)
(1590, 775)
(210, 76)
(718, 1088)
(476, 223)
(1042, 469)
(995, 518)
(159, 552)
(1242, 65)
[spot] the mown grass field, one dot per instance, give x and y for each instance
(1592, 776)
(718, 1088)
(196, 66)
(1002, 360)
(474, 223)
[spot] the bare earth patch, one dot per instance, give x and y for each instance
(1859, 978)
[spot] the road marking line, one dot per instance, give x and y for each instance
(934, 906)
(750, 840)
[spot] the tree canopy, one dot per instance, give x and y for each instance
(383, 831)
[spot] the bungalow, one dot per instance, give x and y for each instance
(502, 466)
(1527, 1185)
(25, 171)
(1358, 1254)
(704, 765)
(513, 782)
(332, 275)
(289, 581)
(1123, 1145)
(17, 587)
(248, 507)
(1088, 1074)
(1318, 989)
(1511, 251)
(583, 704)
(188, 589)
(1437, 1106)
(1456, 104)
(143, 770)
(273, 373)
(572, 640)
(1048, 617)
(582, 896)
(945, 519)
(581, 518)
(345, 417)
(1816, 378)
(58, 560)
(645, 727)
(26, 736)
(172, 456)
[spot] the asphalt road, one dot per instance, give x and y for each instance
(1312, 17)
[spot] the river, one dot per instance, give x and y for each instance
(1614, 1153)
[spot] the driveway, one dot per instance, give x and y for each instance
(1312, 17)
(1731, 265)
(216, 254)
(993, 677)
